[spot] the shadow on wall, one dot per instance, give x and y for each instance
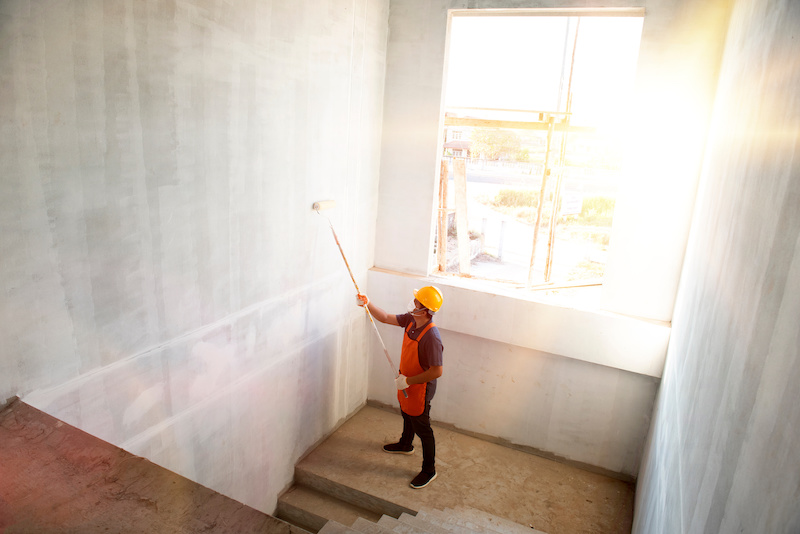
(222, 404)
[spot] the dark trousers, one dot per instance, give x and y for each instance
(421, 426)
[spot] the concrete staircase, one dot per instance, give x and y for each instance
(314, 501)
(349, 484)
(321, 505)
(343, 488)
(463, 520)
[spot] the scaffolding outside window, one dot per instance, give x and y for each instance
(533, 148)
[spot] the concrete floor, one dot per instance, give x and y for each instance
(544, 494)
(57, 479)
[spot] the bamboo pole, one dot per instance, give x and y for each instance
(562, 163)
(538, 224)
(514, 125)
(462, 223)
(556, 209)
(441, 243)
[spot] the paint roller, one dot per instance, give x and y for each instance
(323, 205)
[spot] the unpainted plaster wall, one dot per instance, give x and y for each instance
(585, 380)
(501, 383)
(722, 455)
(166, 285)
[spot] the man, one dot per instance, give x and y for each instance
(420, 366)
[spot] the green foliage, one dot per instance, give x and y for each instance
(495, 144)
(586, 270)
(518, 203)
(597, 211)
(522, 204)
(516, 198)
(601, 236)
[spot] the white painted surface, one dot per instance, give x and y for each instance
(679, 57)
(166, 285)
(158, 171)
(675, 81)
(597, 337)
(530, 383)
(681, 44)
(723, 452)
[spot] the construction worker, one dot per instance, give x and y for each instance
(420, 366)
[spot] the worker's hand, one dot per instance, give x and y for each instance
(362, 300)
(401, 382)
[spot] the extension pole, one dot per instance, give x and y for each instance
(366, 308)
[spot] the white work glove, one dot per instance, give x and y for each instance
(401, 382)
(362, 300)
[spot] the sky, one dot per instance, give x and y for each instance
(517, 63)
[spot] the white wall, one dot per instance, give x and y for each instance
(603, 338)
(517, 382)
(614, 353)
(722, 455)
(676, 77)
(166, 285)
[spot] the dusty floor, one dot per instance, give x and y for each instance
(55, 478)
(530, 490)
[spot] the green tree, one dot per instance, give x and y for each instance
(494, 144)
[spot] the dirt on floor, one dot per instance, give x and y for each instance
(55, 478)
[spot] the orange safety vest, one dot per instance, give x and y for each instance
(409, 366)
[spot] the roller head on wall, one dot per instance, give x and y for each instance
(323, 205)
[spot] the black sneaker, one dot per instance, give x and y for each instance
(396, 448)
(422, 480)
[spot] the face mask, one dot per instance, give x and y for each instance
(412, 308)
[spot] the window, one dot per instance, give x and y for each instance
(532, 148)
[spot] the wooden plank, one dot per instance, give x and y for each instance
(514, 125)
(462, 225)
(441, 242)
(538, 224)
(512, 110)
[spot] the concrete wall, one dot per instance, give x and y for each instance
(165, 283)
(722, 455)
(584, 380)
(166, 286)
(512, 372)
(676, 74)
(514, 389)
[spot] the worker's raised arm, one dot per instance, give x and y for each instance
(377, 313)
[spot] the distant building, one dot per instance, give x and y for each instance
(459, 148)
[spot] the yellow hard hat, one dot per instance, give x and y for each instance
(430, 297)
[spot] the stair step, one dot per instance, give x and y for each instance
(422, 524)
(400, 528)
(348, 494)
(334, 527)
(466, 519)
(438, 518)
(461, 519)
(497, 524)
(311, 509)
(368, 527)
(525, 488)
(378, 500)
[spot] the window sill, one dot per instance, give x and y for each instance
(567, 328)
